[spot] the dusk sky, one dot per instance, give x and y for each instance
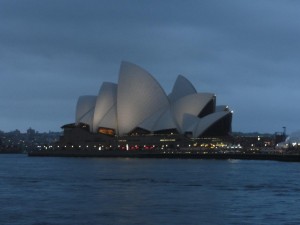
(246, 52)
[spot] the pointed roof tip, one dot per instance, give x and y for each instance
(128, 63)
(182, 78)
(108, 84)
(182, 87)
(124, 62)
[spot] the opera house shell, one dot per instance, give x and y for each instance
(138, 105)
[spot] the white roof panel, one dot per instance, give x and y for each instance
(85, 109)
(181, 88)
(139, 96)
(190, 104)
(107, 97)
(166, 121)
(109, 120)
(189, 122)
(207, 121)
(148, 123)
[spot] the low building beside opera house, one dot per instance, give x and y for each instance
(136, 112)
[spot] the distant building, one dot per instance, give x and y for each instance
(138, 105)
(291, 142)
(30, 133)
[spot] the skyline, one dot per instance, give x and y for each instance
(247, 53)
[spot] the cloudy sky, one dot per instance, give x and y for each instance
(246, 52)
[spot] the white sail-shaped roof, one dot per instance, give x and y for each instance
(138, 101)
(109, 120)
(189, 122)
(166, 121)
(191, 104)
(139, 96)
(149, 123)
(85, 109)
(207, 121)
(107, 97)
(181, 88)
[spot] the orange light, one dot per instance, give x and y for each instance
(106, 131)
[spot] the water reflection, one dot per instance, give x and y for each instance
(147, 191)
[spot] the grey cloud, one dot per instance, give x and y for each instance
(53, 51)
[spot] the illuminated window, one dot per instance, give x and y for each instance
(107, 131)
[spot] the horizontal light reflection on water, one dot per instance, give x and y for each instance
(37, 190)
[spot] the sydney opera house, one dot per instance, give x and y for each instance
(137, 107)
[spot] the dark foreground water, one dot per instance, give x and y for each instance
(46, 191)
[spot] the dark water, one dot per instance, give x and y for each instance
(37, 190)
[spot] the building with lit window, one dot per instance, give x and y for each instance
(137, 106)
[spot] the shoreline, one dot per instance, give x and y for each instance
(167, 155)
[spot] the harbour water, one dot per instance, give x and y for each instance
(83, 191)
